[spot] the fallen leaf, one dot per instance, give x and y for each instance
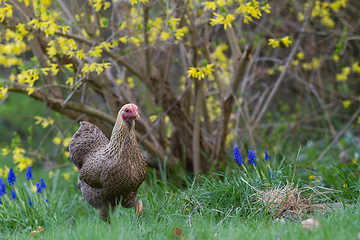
(37, 231)
(178, 233)
(310, 224)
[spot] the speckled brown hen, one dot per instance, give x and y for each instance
(109, 171)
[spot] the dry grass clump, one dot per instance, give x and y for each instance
(282, 199)
(289, 201)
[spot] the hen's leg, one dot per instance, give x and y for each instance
(104, 211)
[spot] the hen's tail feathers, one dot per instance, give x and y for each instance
(86, 140)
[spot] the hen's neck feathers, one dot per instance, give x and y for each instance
(123, 135)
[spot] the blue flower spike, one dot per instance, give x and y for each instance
(271, 174)
(38, 187)
(237, 156)
(267, 157)
(30, 202)
(2, 187)
(42, 185)
(13, 195)
(11, 177)
(0, 201)
(29, 174)
(252, 157)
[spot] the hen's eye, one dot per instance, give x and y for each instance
(126, 110)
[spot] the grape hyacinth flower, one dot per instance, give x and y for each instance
(42, 183)
(29, 174)
(271, 175)
(11, 177)
(2, 187)
(267, 157)
(252, 157)
(38, 187)
(0, 201)
(13, 195)
(237, 156)
(30, 203)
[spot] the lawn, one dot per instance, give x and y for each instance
(238, 203)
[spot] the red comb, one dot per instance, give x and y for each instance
(133, 108)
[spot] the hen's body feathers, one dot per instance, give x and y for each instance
(109, 171)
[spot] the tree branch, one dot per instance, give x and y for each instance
(282, 74)
(55, 104)
(227, 104)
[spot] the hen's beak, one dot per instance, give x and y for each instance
(136, 115)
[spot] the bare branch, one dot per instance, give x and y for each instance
(283, 72)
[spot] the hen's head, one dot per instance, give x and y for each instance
(129, 112)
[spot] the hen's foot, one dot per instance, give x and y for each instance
(139, 208)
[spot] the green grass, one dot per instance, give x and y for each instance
(341, 224)
(224, 206)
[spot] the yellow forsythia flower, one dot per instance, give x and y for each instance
(70, 81)
(164, 36)
(66, 141)
(270, 71)
(123, 39)
(227, 22)
(57, 140)
(209, 5)
(66, 176)
(153, 118)
(356, 67)
(295, 63)
(51, 174)
(274, 43)
(300, 55)
(30, 90)
(286, 41)
(135, 41)
(192, 72)
(346, 103)
(131, 83)
(3, 92)
(217, 20)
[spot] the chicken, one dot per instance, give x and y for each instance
(110, 172)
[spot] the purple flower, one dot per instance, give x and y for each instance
(46, 200)
(2, 187)
(38, 187)
(11, 177)
(267, 157)
(42, 183)
(30, 203)
(252, 157)
(29, 174)
(13, 195)
(271, 175)
(0, 201)
(237, 156)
